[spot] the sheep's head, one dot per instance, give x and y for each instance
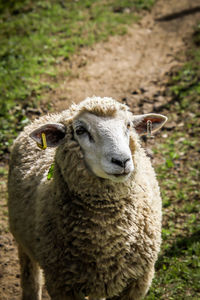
(105, 131)
(105, 144)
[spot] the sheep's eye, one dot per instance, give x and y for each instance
(128, 125)
(81, 130)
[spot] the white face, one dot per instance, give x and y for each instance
(105, 144)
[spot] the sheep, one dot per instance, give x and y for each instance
(94, 229)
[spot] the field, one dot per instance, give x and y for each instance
(143, 53)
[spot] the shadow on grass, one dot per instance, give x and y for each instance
(178, 248)
(179, 14)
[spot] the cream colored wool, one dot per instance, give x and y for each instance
(90, 236)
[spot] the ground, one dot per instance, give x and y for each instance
(135, 69)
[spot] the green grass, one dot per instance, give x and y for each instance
(178, 266)
(37, 35)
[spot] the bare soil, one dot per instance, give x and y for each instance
(133, 68)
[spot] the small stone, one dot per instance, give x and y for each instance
(143, 90)
(147, 108)
(135, 92)
(157, 94)
(127, 10)
(170, 125)
(157, 106)
(147, 100)
(161, 99)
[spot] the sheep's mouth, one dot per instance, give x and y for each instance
(119, 177)
(119, 174)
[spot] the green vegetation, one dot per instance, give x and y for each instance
(50, 172)
(178, 266)
(37, 35)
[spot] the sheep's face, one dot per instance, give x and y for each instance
(105, 145)
(104, 130)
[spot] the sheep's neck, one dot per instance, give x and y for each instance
(96, 192)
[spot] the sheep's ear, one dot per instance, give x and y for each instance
(48, 135)
(142, 123)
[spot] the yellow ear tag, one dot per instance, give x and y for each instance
(43, 146)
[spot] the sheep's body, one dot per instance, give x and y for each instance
(90, 236)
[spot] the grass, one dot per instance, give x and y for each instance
(3, 203)
(37, 35)
(178, 266)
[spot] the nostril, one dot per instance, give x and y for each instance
(119, 162)
(126, 160)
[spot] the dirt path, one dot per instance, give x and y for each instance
(131, 68)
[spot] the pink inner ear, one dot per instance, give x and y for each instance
(153, 120)
(54, 134)
(142, 126)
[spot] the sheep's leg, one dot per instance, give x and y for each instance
(66, 296)
(31, 277)
(138, 289)
(91, 298)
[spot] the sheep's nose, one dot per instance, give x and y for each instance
(121, 163)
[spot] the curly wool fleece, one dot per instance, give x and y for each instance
(88, 234)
